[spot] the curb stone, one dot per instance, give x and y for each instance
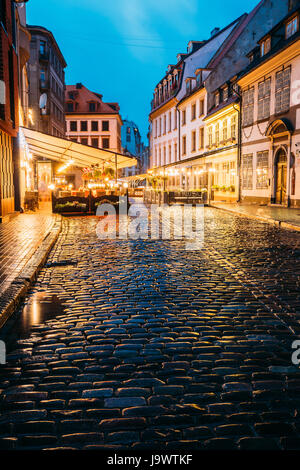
(277, 223)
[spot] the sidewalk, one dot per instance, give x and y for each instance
(282, 216)
(25, 242)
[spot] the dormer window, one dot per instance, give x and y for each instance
(265, 47)
(225, 93)
(292, 27)
(188, 86)
(199, 79)
(92, 107)
(71, 95)
(217, 99)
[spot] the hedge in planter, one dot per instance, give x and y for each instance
(74, 206)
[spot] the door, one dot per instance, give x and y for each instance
(281, 171)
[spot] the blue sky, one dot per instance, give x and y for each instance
(121, 48)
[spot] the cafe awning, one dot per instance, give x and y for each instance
(63, 150)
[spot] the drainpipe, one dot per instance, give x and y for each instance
(179, 137)
(239, 158)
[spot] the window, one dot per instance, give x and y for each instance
(183, 117)
(95, 126)
(262, 168)
(175, 119)
(233, 127)
(225, 93)
(160, 126)
(210, 136)
(248, 106)
(292, 27)
(105, 143)
(105, 125)
(247, 171)
(175, 152)
(264, 96)
(201, 138)
(165, 123)
(193, 114)
(217, 134)
(225, 130)
(170, 153)
(198, 79)
(92, 107)
(170, 121)
(282, 91)
(95, 142)
(3, 12)
(193, 141)
(43, 74)
(232, 173)
(201, 107)
(83, 126)
(165, 156)
(217, 99)
(70, 107)
(74, 139)
(84, 140)
(188, 86)
(42, 47)
(265, 47)
(73, 126)
(184, 145)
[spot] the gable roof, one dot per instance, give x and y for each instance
(83, 96)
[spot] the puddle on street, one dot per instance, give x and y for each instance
(41, 307)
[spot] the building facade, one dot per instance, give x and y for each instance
(133, 145)
(196, 124)
(9, 111)
(180, 80)
(271, 117)
(91, 121)
(47, 83)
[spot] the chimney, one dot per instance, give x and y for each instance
(214, 32)
(78, 86)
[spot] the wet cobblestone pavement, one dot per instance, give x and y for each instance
(159, 347)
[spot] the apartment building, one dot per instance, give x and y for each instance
(46, 83)
(91, 121)
(270, 89)
(9, 110)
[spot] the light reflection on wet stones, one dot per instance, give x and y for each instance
(151, 331)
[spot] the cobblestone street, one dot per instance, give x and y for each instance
(158, 347)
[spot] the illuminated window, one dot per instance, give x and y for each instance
(262, 168)
(247, 171)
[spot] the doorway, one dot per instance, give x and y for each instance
(280, 176)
